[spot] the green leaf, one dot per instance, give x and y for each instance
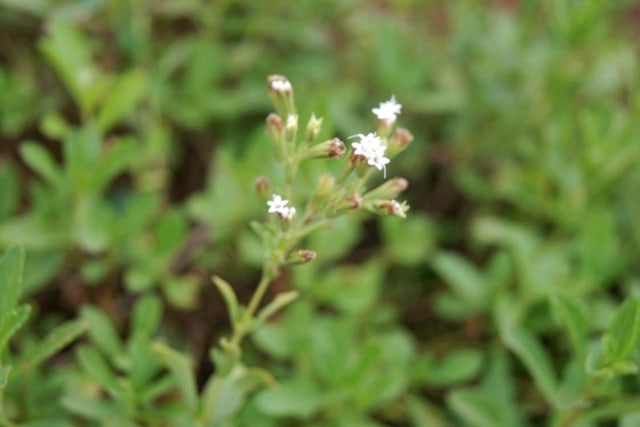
(101, 331)
(456, 367)
(465, 280)
(475, 407)
(146, 315)
(10, 194)
(11, 271)
(82, 151)
(67, 50)
(573, 317)
(170, 232)
(181, 368)
(622, 335)
(144, 364)
(61, 336)
(223, 396)
(116, 159)
(424, 414)
(229, 297)
(92, 224)
(182, 291)
(298, 398)
(11, 323)
(96, 367)
(534, 357)
(280, 301)
(126, 93)
(4, 376)
(410, 241)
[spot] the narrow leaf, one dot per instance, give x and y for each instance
(39, 159)
(146, 315)
(475, 407)
(11, 270)
(571, 314)
(61, 336)
(280, 301)
(225, 394)
(181, 368)
(102, 331)
(536, 360)
(463, 278)
(96, 367)
(229, 297)
(126, 93)
(11, 323)
(622, 334)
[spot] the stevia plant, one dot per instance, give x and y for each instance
(293, 214)
(20, 369)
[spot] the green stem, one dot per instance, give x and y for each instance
(258, 294)
(244, 325)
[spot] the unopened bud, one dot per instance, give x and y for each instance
(313, 129)
(388, 190)
(326, 186)
(333, 148)
(274, 126)
(291, 128)
(263, 187)
(348, 204)
(279, 85)
(398, 142)
(389, 207)
(281, 93)
(302, 256)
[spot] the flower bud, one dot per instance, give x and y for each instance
(274, 126)
(313, 129)
(291, 129)
(275, 131)
(281, 93)
(348, 204)
(263, 187)
(326, 186)
(388, 190)
(302, 256)
(333, 148)
(398, 142)
(389, 207)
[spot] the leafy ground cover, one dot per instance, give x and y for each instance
(132, 134)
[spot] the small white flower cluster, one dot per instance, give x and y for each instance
(281, 85)
(370, 145)
(371, 148)
(388, 111)
(278, 205)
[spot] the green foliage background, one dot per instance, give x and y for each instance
(131, 133)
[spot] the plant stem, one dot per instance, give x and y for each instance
(244, 324)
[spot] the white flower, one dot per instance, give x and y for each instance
(371, 148)
(287, 213)
(278, 205)
(388, 111)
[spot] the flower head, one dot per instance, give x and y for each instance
(388, 111)
(370, 147)
(278, 205)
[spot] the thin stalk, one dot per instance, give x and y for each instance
(245, 323)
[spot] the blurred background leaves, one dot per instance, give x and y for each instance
(131, 133)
